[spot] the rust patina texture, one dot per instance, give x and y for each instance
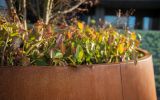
(122, 81)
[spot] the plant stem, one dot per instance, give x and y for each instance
(4, 49)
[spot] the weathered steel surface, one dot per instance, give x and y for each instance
(37, 83)
(124, 81)
(138, 80)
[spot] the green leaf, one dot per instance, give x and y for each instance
(13, 34)
(139, 36)
(32, 38)
(57, 54)
(100, 38)
(41, 62)
(79, 53)
(88, 58)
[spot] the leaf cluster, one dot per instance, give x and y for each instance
(64, 44)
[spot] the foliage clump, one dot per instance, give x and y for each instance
(64, 44)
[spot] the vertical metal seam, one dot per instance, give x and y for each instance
(121, 81)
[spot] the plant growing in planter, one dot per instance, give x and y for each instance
(65, 44)
(109, 65)
(103, 56)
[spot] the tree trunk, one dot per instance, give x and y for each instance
(46, 12)
(48, 5)
(24, 14)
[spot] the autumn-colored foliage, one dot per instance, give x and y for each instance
(63, 44)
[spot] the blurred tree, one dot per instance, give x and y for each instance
(44, 9)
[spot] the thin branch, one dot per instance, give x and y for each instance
(73, 8)
(69, 10)
(51, 5)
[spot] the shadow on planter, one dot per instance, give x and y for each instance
(121, 81)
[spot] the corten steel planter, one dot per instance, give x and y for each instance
(122, 81)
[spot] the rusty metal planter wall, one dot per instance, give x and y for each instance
(122, 81)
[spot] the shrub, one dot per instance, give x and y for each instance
(64, 44)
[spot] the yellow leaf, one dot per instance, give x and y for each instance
(121, 48)
(133, 36)
(80, 25)
(88, 29)
(100, 38)
(123, 39)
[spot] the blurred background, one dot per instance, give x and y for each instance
(142, 16)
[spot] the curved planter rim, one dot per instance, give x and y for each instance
(146, 56)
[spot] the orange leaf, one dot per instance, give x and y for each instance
(137, 43)
(62, 48)
(69, 35)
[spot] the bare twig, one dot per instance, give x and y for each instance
(73, 8)
(69, 10)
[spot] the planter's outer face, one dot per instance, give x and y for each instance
(138, 80)
(123, 81)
